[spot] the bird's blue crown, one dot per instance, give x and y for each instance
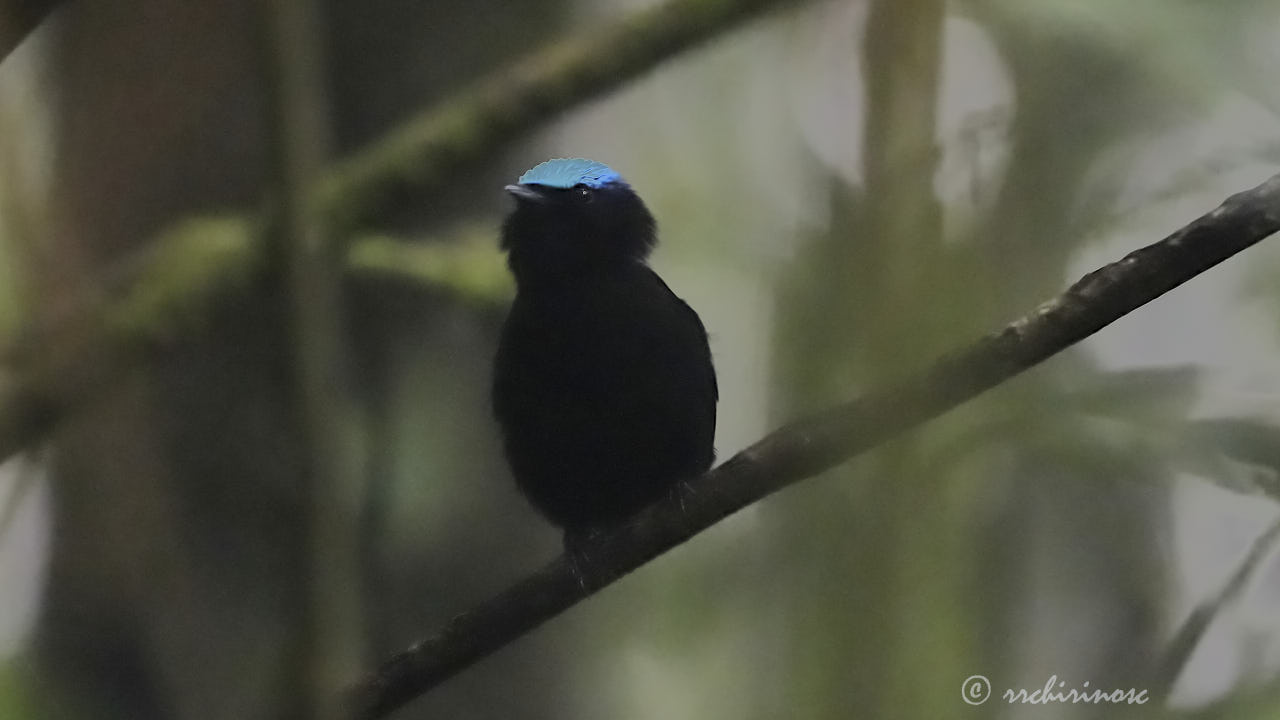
(564, 173)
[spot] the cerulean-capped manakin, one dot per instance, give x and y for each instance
(603, 383)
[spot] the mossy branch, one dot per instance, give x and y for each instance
(426, 153)
(813, 444)
(189, 269)
(51, 370)
(184, 273)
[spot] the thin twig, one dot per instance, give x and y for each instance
(1188, 637)
(813, 444)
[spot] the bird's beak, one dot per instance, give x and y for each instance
(525, 193)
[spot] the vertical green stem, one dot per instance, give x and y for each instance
(901, 67)
(328, 628)
(916, 628)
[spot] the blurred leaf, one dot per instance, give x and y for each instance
(1190, 49)
(1196, 176)
(1239, 454)
(1093, 411)
(1089, 76)
(1148, 395)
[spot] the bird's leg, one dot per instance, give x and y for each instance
(577, 544)
(681, 490)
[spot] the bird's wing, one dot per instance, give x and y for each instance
(696, 321)
(701, 346)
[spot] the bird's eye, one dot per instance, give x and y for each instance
(582, 193)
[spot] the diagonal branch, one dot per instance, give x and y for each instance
(816, 443)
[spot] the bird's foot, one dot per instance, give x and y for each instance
(577, 546)
(681, 491)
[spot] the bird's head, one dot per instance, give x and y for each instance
(573, 216)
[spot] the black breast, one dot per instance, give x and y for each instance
(606, 396)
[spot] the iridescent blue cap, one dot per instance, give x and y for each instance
(564, 173)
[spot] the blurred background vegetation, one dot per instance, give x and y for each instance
(286, 474)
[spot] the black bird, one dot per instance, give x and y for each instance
(603, 382)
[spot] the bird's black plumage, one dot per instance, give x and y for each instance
(603, 382)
